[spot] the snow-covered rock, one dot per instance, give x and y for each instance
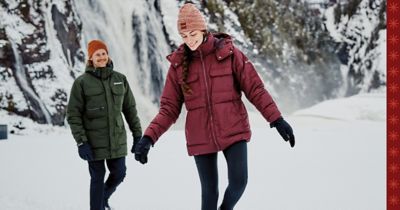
(362, 44)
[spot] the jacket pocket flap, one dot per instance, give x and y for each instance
(118, 89)
(221, 72)
(93, 91)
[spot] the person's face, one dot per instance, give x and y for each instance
(193, 39)
(99, 58)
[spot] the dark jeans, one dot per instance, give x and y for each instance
(236, 158)
(100, 191)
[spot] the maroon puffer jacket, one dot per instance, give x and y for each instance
(216, 116)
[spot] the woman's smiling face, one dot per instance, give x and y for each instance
(193, 39)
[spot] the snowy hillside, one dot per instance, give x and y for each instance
(338, 163)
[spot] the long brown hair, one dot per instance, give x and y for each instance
(187, 57)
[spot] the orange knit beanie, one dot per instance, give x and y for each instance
(190, 19)
(96, 45)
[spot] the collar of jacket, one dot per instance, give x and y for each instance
(206, 47)
(102, 72)
(219, 43)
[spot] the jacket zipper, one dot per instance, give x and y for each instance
(209, 102)
(108, 118)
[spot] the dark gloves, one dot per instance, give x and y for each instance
(142, 149)
(85, 151)
(284, 130)
(135, 141)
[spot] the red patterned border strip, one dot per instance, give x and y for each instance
(393, 108)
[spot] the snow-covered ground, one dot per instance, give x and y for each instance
(339, 162)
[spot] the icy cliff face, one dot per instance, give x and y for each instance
(43, 45)
(40, 55)
(135, 34)
(362, 50)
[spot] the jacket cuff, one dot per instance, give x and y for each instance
(82, 140)
(136, 134)
(274, 117)
(151, 135)
(273, 124)
(151, 140)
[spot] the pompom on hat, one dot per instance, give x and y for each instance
(190, 19)
(94, 45)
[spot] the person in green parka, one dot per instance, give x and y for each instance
(97, 99)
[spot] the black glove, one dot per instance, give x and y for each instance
(85, 151)
(142, 149)
(284, 130)
(135, 141)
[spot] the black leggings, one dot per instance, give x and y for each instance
(236, 158)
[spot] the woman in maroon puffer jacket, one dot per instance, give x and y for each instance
(208, 74)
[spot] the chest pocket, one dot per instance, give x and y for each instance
(118, 91)
(94, 96)
(222, 78)
(95, 102)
